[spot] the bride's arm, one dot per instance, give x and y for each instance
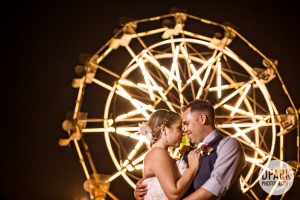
(164, 169)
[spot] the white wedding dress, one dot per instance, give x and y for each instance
(155, 192)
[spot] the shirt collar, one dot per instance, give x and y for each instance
(209, 137)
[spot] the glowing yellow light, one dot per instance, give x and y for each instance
(146, 78)
(219, 78)
(204, 81)
(254, 160)
(240, 111)
(241, 98)
(174, 64)
(139, 167)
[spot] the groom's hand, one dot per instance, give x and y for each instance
(140, 190)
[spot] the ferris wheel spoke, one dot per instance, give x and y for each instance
(231, 95)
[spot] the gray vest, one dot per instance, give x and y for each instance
(205, 169)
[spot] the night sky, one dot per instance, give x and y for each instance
(42, 44)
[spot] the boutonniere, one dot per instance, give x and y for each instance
(205, 149)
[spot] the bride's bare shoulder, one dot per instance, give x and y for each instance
(157, 153)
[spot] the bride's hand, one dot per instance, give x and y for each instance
(193, 159)
(140, 190)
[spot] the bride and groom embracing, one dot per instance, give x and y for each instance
(212, 175)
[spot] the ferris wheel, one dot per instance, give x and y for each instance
(166, 62)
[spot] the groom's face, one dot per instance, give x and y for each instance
(193, 126)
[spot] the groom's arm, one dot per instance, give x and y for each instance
(227, 168)
(202, 194)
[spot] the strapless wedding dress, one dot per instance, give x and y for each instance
(155, 192)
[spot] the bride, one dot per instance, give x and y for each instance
(165, 177)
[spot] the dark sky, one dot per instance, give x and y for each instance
(42, 42)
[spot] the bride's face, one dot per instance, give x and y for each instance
(174, 134)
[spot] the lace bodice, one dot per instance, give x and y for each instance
(155, 192)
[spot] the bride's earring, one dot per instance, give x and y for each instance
(166, 137)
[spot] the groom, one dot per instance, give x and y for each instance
(219, 172)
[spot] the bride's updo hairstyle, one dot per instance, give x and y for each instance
(159, 118)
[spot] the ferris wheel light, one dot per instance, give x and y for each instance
(121, 91)
(120, 117)
(249, 141)
(147, 86)
(157, 64)
(174, 66)
(240, 111)
(126, 82)
(114, 176)
(175, 54)
(139, 137)
(130, 168)
(136, 104)
(184, 52)
(227, 86)
(146, 78)
(204, 81)
(254, 160)
(197, 78)
(204, 66)
(110, 122)
(246, 130)
(108, 87)
(139, 167)
(165, 70)
(241, 98)
(219, 78)
(151, 59)
(227, 98)
(132, 153)
(139, 159)
(125, 163)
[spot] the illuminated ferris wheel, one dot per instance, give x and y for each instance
(166, 62)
